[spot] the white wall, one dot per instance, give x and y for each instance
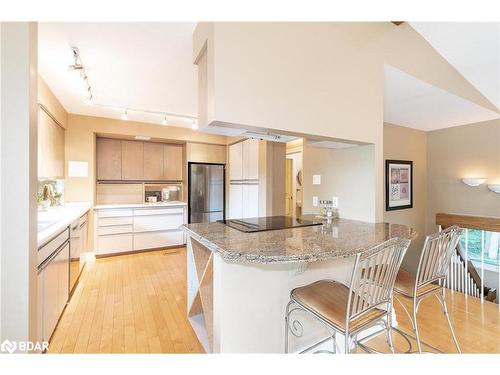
(18, 181)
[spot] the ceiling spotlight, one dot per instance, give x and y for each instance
(194, 124)
(124, 115)
(164, 122)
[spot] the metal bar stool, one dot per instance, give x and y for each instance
(428, 281)
(349, 310)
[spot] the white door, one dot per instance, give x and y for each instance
(235, 201)
(236, 161)
(250, 198)
(251, 159)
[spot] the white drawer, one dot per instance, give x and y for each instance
(107, 221)
(114, 243)
(157, 211)
(114, 229)
(151, 240)
(52, 245)
(117, 212)
(157, 222)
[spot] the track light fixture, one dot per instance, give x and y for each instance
(124, 116)
(78, 66)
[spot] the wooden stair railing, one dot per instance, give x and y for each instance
(490, 224)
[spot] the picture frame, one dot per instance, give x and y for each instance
(398, 184)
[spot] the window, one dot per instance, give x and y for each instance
(472, 242)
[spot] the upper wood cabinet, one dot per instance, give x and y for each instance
(109, 159)
(138, 161)
(132, 160)
(50, 147)
(153, 161)
(172, 162)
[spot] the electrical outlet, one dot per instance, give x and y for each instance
(335, 202)
(315, 201)
(317, 179)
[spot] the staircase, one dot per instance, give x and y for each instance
(463, 275)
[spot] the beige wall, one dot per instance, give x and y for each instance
(471, 150)
(345, 173)
(313, 78)
(49, 101)
(402, 143)
(80, 146)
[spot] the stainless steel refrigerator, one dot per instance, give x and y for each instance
(206, 192)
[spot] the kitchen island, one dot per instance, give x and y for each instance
(239, 283)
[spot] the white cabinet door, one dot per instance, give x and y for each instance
(251, 159)
(235, 201)
(236, 161)
(250, 199)
(114, 243)
(157, 222)
(50, 298)
(62, 261)
(152, 240)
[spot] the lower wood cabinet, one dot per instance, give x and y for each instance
(125, 230)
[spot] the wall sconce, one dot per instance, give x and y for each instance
(494, 188)
(473, 181)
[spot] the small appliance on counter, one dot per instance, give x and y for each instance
(327, 210)
(154, 193)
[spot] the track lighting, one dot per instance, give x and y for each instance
(78, 67)
(164, 122)
(124, 116)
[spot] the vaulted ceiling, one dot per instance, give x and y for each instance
(149, 66)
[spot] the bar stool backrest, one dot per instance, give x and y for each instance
(436, 256)
(373, 277)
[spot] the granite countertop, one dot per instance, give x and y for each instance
(336, 238)
(140, 205)
(55, 220)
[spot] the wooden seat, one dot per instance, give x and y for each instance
(405, 285)
(329, 300)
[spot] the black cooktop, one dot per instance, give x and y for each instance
(259, 224)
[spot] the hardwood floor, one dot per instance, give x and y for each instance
(129, 304)
(136, 304)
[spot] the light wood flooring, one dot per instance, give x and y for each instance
(137, 304)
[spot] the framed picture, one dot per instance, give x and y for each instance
(398, 184)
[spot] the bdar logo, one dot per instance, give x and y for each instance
(8, 346)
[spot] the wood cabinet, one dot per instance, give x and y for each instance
(153, 161)
(50, 147)
(172, 162)
(109, 159)
(139, 161)
(132, 160)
